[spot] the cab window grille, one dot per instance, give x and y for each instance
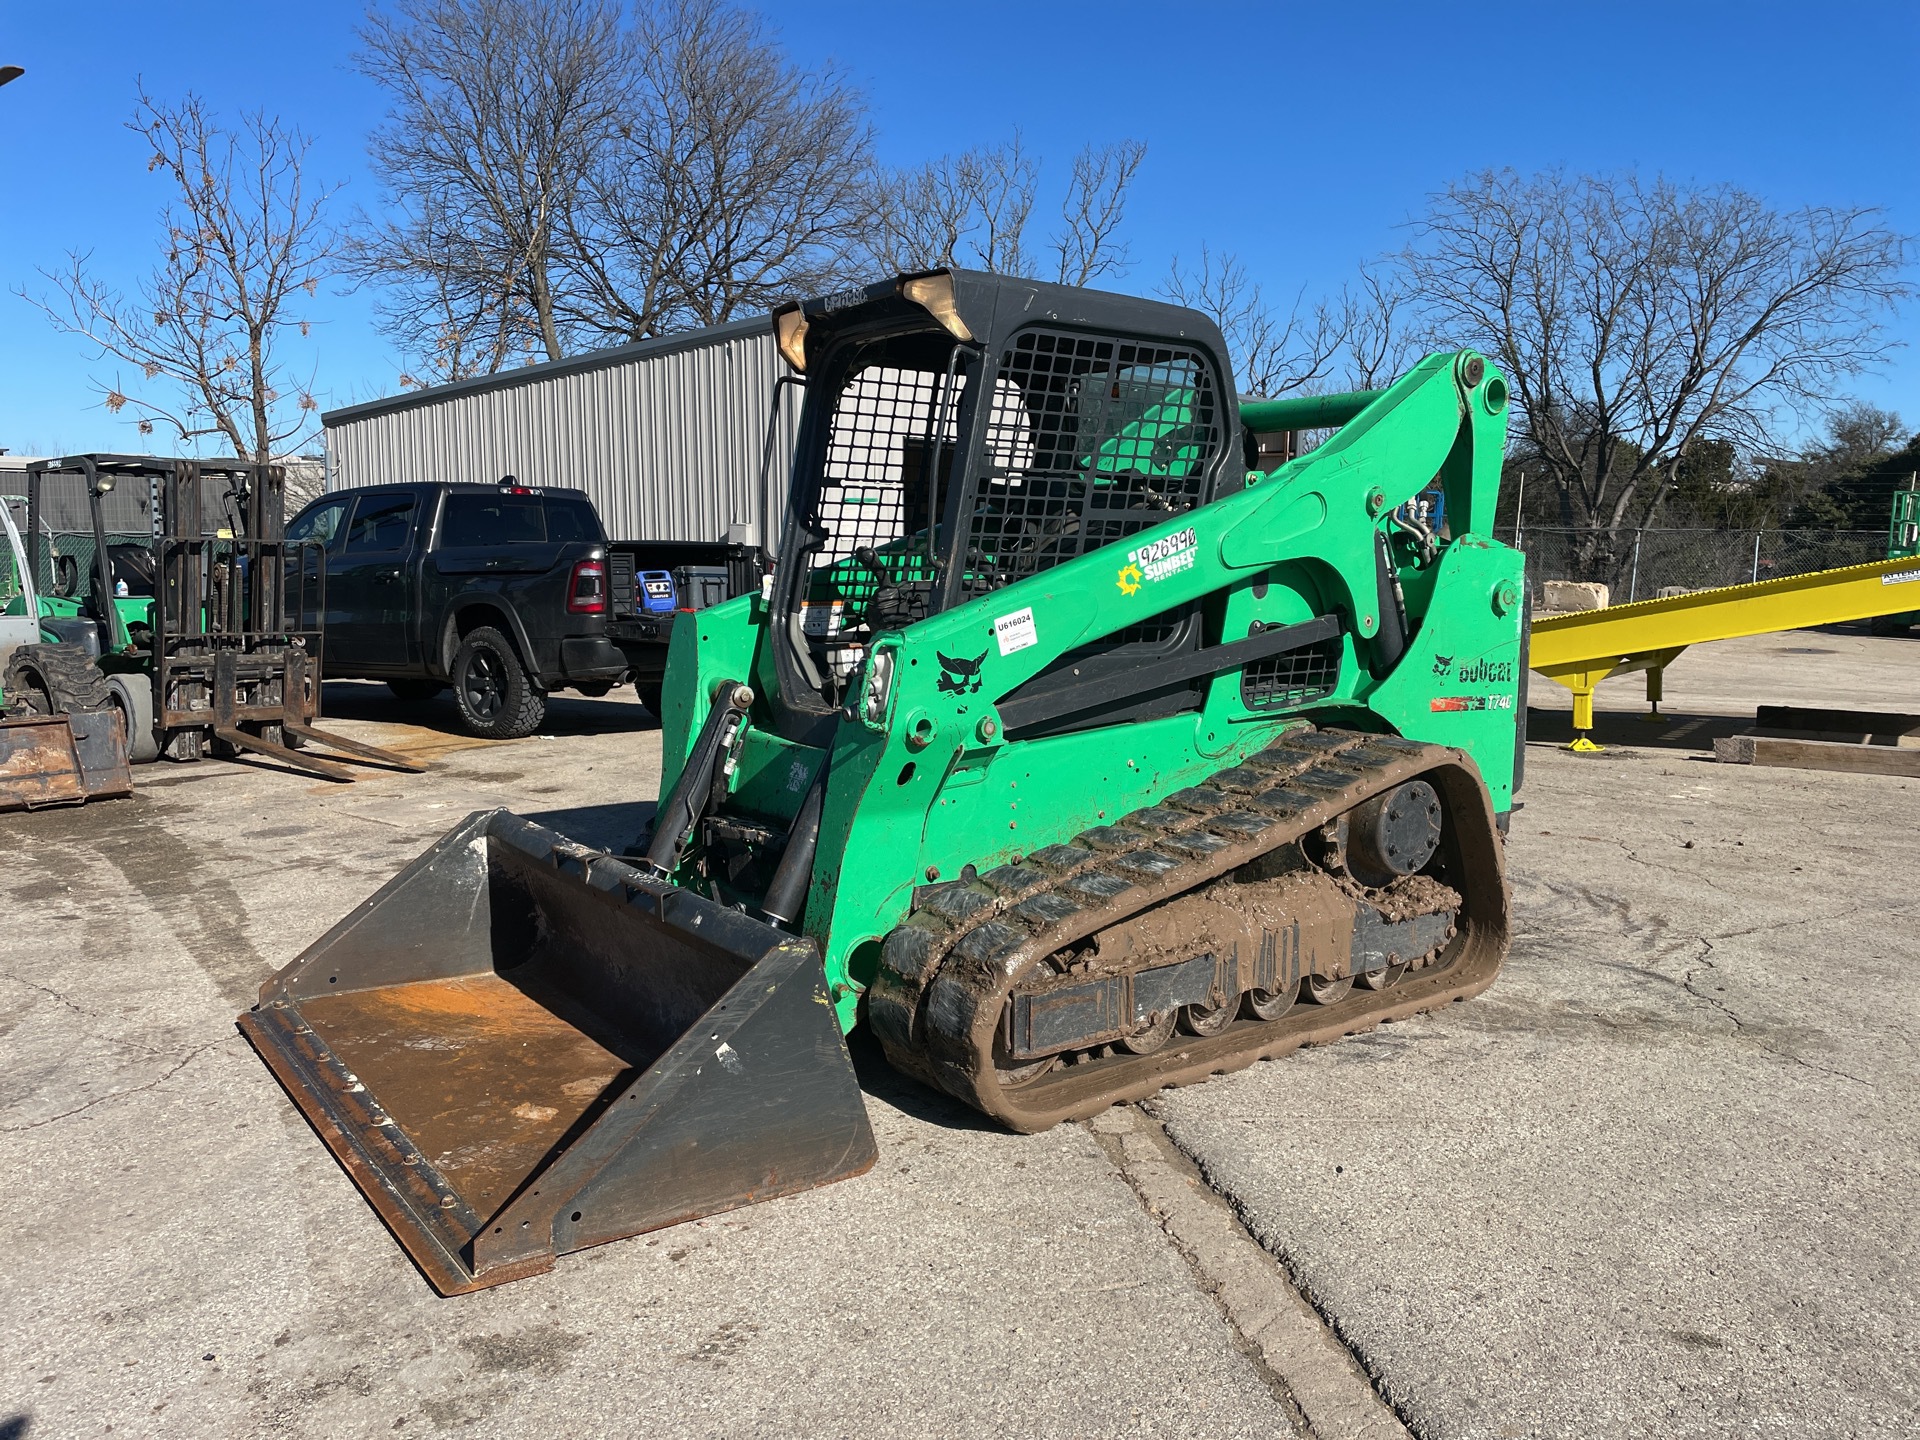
(886, 425)
(1293, 677)
(1089, 439)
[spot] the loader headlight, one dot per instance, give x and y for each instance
(877, 693)
(790, 334)
(933, 293)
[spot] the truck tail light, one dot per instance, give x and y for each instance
(587, 591)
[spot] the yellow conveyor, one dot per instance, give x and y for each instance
(1581, 648)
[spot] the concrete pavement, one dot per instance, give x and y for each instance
(184, 1257)
(1658, 1181)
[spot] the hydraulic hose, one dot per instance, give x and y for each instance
(787, 895)
(1390, 640)
(673, 826)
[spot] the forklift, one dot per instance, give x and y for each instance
(166, 590)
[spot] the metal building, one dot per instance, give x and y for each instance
(666, 435)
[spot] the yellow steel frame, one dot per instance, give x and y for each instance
(1580, 649)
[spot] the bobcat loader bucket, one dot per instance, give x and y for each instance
(519, 1047)
(62, 759)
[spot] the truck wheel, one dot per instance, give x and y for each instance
(415, 692)
(649, 692)
(133, 695)
(495, 695)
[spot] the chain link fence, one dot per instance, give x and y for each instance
(1639, 565)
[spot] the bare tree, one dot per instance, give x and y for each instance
(970, 209)
(732, 179)
(445, 302)
(921, 218)
(1002, 182)
(244, 242)
(974, 208)
(500, 110)
(1086, 245)
(1378, 326)
(1273, 354)
(568, 172)
(1635, 319)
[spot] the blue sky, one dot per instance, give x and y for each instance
(1299, 136)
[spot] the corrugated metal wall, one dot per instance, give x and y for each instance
(666, 435)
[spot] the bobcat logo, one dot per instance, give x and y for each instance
(1442, 664)
(959, 677)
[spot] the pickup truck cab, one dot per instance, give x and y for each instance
(497, 591)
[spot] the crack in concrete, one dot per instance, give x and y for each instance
(81, 1010)
(1321, 1380)
(1852, 912)
(27, 984)
(160, 1079)
(1309, 1295)
(1704, 960)
(1691, 877)
(1622, 910)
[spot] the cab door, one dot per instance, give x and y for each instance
(370, 586)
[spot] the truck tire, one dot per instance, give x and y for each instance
(55, 680)
(133, 695)
(415, 692)
(650, 695)
(496, 697)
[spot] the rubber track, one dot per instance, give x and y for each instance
(73, 681)
(947, 970)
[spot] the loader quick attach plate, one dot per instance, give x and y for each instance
(519, 1047)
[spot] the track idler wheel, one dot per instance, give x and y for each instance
(1209, 1019)
(1325, 990)
(1270, 1004)
(1015, 1075)
(1384, 979)
(1150, 1036)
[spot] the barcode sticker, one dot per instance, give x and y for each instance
(1016, 631)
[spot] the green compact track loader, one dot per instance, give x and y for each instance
(1066, 749)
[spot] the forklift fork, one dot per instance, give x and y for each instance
(292, 714)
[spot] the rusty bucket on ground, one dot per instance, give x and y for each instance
(62, 759)
(520, 1047)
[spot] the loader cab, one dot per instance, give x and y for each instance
(962, 432)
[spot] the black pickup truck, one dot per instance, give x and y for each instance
(503, 593)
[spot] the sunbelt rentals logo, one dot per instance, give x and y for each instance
(1157, 560)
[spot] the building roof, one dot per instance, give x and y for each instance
(547, 369)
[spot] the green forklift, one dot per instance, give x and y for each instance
(47, 758)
